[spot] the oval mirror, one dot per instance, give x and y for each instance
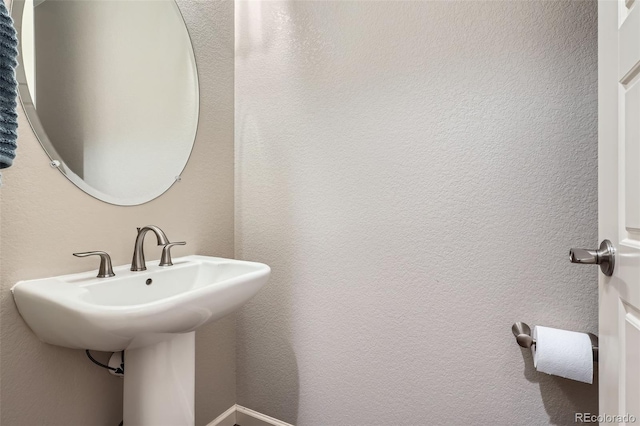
(110, 88)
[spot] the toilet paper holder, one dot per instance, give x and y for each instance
(523, 336)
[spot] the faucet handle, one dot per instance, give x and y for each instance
(165, 259)
(105, 270)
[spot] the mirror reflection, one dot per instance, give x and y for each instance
(110, 88)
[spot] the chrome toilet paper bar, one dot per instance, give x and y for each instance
(523, 336)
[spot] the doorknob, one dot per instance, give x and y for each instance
(605, 256)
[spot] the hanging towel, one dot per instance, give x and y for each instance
(8, 88)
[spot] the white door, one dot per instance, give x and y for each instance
(619, 204)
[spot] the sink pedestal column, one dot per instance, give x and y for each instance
(159, 383)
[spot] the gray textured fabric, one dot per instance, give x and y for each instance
(8, 88)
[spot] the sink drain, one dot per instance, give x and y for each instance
(149, 281)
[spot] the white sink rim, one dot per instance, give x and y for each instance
(117, 327)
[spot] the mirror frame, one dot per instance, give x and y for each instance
(16, 12)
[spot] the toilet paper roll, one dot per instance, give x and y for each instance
(563, 353)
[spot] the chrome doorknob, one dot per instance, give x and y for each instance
(605, 256)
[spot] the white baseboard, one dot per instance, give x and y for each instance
(228, 418)
(237, 414)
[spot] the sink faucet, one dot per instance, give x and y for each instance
(138, 264)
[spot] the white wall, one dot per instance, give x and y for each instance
(44, 218)
(414, 173)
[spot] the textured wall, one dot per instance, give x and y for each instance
(414, 173)
(44, 218)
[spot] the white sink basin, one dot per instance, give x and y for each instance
(151, 315)
(124, 312)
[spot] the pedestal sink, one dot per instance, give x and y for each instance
(152, 315)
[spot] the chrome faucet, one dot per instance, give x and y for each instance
(138, 264)
(105, 270)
